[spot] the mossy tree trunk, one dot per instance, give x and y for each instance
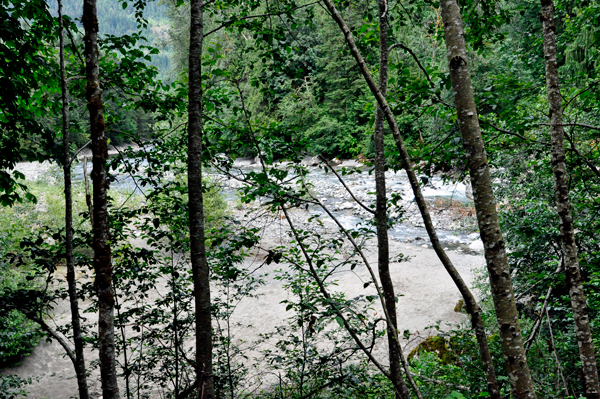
(470, 302)
(563, 205)
(197, 230)
(381, 217)
(79, 363)
(485, 205)
(101, 243)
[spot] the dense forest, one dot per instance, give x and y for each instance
(299, 199)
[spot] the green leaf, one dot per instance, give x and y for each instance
(455, 395)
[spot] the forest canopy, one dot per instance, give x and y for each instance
(299, 199)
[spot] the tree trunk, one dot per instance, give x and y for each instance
(197, 245)
(563, 205)
(102, 254)
(470, 302)
(485, 205)
(395, 351)
(79, 363)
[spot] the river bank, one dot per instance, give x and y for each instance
(428, 295)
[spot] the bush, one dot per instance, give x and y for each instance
(18, 336)
(12, 386)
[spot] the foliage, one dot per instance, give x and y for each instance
(27, 80)
(18, 336)
(13, 387)
(279, 84)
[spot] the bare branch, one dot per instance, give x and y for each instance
(498, 128)
(267, 15)
(590, 165)
(76, 77)
(583, 125)
(346, 187)
(414, 56)
(130, 175)
(78, 151)
(326, 295)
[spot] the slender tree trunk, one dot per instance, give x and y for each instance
(102, 254)
(485, 205)
(79, 363)
(395, 351)
(470, 302)
(563, 205)
(197, 245)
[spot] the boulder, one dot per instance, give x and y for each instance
(311, 161)
(476, 245)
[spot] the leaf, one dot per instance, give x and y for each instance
(340, 321)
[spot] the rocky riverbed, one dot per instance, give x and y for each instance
(428, 295)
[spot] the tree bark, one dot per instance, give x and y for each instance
(101, 245)
(470, 302)
(485, 205)
(563, 207)
(395, 351)
(197, 245)
(79, 360)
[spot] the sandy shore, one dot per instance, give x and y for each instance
(428, 296)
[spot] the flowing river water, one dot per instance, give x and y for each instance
(453, 232)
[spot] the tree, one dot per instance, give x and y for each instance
(395, 351)
(101, 243)
(485, 205)
(75, 321)
(196, 207)
(25, 81)
(471, 304)
(563, 205)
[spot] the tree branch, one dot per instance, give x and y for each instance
(227, 23)
(512, 133)
(346, 187)
(590, 165)
(584, 125)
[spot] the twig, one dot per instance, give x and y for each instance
(74, 45)
(54, 335)
(78, 151)
(88, 197)
(328, 297)
(129, 172)
(578, 94)
(511, 133)
(560, 372)
(585, 160)
(346, 187)
(414, 56)
(76, 77)
(440, 143)
(379, 293)
(227, 23)
(584, 125)
(538, 322)
(247, 117)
